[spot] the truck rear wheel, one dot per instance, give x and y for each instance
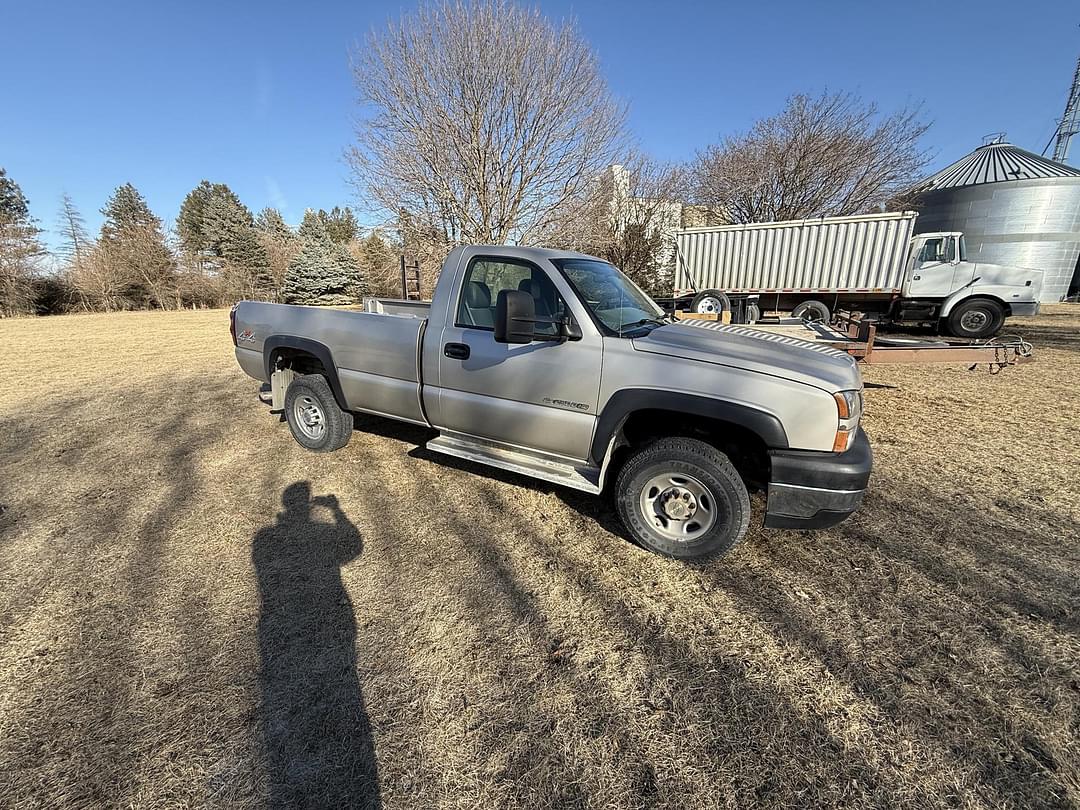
(682, 498)
(710, 301)
(976, 318)
(314, 418)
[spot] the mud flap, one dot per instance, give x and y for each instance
(279, 384)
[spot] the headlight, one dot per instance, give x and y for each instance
(848, 411)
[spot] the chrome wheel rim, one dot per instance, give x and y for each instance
(677, 506)
(308, 417)
(709, 303)
(974, 320)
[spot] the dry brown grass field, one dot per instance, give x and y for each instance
(194, 611)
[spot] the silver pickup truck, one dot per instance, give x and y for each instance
(556, 366)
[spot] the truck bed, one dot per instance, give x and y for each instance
(376, 353)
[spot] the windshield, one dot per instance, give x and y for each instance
(615, 302)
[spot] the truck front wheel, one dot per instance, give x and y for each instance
(682, 498)
(314, 418)
(976, 318)
(711, 302)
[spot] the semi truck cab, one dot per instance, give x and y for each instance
(972, 298)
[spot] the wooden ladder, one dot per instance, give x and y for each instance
(410, 281)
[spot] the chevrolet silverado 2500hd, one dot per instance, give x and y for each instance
(555, 365)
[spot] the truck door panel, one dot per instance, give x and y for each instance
(934, 269)
(542, 394)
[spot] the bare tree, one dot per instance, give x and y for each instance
(481, 119)
(20, 250)
(20, 257)
(377, 257)
(628, 215)
(829, 155)
(102, 281)
(72, 227)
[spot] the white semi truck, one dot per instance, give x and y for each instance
(875, 264)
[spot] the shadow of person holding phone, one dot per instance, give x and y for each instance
(316, 736)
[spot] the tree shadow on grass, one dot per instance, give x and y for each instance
(318, 741)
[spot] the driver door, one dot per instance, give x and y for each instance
(933, 268)
(541, 395)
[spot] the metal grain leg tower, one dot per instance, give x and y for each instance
(1070, 122)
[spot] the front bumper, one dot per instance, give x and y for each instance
(1024, 310)
(813, 490)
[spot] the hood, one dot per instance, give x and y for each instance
(755, 350)
(988, 274)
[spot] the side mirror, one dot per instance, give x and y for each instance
(514, 314)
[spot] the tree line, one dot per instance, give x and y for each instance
(520, 140)
(217, 254)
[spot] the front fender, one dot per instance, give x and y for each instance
(993, 292)
(627, 401)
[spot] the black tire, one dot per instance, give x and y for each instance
(753, 313)
(812, 311)
(700, 466)
(706, 300)
(976, 318)
(309, 401)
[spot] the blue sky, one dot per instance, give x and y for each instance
(259, 96)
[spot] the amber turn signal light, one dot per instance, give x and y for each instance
(842, 406)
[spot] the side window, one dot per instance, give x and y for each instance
(487, 277)
(931, 251)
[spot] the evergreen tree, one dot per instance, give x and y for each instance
(229, 230)
(133, 244)
(189, 223)
(279, 241)
(20, 250)
(340, 224)
(270, 221)
(14, 208)
(219, 230)
(323, 272)
(125, 211)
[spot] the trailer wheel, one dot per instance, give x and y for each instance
(682, 498)
(753, 313)
(709, 301)
(315, 420)
(976, 318)
(812, 311)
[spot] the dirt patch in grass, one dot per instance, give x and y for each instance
(195, 610)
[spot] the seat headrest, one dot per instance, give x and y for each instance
(477, 295)
(531, 286)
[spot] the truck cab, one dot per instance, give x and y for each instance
(971, 298)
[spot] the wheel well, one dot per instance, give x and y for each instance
(743, 447)
(298, 360)
(303, 361)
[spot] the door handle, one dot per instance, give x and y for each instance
(459, 351)
(915, 278)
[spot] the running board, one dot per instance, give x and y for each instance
(581, 478)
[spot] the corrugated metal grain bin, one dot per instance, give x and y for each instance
(828, 255)
(1015, 208)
